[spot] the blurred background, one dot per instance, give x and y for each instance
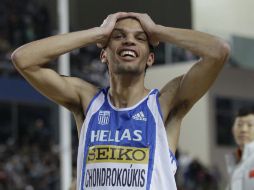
(29, 123)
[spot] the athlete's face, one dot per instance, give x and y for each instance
(243, 130)
(127, 51)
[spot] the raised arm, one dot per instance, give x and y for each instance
(213, 53)
(73, 93)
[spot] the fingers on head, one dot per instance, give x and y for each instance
(121, 14)
(99, 45)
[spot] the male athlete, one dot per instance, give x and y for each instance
(122, 137)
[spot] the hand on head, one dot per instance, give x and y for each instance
(108, 25)
(148, 26)
(146, 22)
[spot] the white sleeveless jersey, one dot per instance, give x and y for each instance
(124, 148)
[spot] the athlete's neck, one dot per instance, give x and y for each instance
(126, 91)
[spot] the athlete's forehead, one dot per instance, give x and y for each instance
(128, 24)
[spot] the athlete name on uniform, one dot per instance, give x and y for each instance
(119, 167)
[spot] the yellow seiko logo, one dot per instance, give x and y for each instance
(117, 154)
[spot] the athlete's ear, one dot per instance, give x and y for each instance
(150, 59)
(103, 56)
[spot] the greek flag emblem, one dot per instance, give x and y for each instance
(103, 118)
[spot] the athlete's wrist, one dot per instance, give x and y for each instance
(98, 34)
(101, 36)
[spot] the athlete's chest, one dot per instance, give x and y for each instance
(126, 127)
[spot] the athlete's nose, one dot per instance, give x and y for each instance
(129, 40)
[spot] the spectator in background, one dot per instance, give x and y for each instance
(21, 21)
(240, 165)
(39, 132)
(194, 175)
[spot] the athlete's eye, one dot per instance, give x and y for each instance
(117, 35)
(142, 37)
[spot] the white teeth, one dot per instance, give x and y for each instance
(128, 52)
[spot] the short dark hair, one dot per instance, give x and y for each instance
(244, 111)
(151, 48)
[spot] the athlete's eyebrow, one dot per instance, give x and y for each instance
(124, 31)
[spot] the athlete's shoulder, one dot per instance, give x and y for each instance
(85, 91)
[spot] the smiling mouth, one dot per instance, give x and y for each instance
(128, 53)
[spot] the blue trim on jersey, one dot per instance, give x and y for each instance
(158, 103)
(172, 155)
(152, 153)
(83, 167)
(173, 158)
(86, 147)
